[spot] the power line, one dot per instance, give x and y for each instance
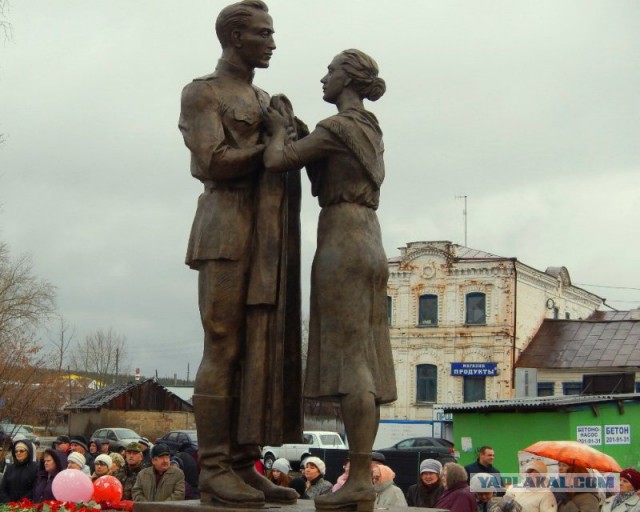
(605, 286)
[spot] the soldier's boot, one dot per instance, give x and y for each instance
(218, 483)
(244, 467)
(357, 493)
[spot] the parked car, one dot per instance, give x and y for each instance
(297, 452)
(428, 447)
(118, 437)
(12, 430)
(176, 438)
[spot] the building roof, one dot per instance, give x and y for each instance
(610, 315)
(538, 403)
(583, 344)
(145, 395)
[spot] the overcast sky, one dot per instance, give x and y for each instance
(530, 108)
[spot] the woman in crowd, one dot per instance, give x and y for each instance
(77, 461)
(343, 477)
(627, 500)
(316, 485)
(117, 461)
(189, 492)
(101, 466)
(50, 465)
(576, 501)
(429, 487)
(349, 356)
(95, 447)
(531, 497)
(456, 496)
(387, 493)
(279, 473)
(19, 477)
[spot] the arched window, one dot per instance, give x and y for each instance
(428, 310)
(426, 383)
(476, 309)
(389, 309)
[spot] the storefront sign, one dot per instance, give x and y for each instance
(474, 369)
(617, 434)
(589, 434)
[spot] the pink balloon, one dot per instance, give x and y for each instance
(72, 485)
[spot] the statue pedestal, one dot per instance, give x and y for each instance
(196, 506)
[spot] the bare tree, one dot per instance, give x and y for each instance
(5, 27)
(61, 341)
(25, 300)
(101, 354)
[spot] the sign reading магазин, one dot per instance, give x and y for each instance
(474, 369)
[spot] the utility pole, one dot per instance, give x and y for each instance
(464, 213)
(117, 360)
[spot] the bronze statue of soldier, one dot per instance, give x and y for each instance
(245, 245)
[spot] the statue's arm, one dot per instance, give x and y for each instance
(203, 132)
(280, 156)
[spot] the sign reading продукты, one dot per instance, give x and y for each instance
(474, 369)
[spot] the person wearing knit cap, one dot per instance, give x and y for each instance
(102, 466)
(627, 500)
(387, 493)
(279, 472)
(76, 460)
(19, 477)
(316, 485)
(427, 491)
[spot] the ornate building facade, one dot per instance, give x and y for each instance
(459, 319)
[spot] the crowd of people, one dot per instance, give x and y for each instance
(151, 473)
(147, 473)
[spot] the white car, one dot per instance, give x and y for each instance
(297, 452)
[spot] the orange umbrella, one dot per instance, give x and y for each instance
(574, 453)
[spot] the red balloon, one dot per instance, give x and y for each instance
(107, 488)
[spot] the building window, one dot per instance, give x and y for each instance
(571, 388)
(474, 389)
(426, 383)
(556, 313)
(428, 310)
(545, 388)
(567, 315)
(476, 308)
(637, 387)
(389, 309)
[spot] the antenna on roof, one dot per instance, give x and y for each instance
(464, 213)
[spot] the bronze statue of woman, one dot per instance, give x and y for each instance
(349, 356)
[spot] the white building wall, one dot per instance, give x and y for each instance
(432, 268)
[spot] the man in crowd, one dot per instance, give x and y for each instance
(133, 466)
(483, 464)
(161, 481)
(61, 445)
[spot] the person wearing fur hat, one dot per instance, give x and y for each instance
(102, 466)
(316, 485)
(51, 464)
(456, 496)
(627, 500)
(531, 499)
(387, 493)
(20, 476)
(427, 491)
(279, 472)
